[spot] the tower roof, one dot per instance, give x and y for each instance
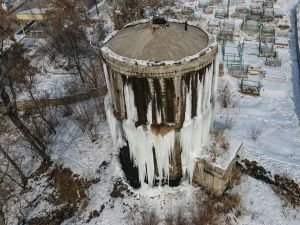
(158, 42)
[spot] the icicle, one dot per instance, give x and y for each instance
(158, 112)
(107, 79)
(114, 124)
(149, 113)
(129, 103)
(163, 145)
(194, 134)
(199, 97)
(188, 102)
(140, 145)
(216, 64)
(141, 142)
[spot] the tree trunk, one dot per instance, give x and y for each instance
(38, 146)
(16, 167)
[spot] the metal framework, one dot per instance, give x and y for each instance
(249, 24)
(226, 32)
(266, 50)
(266, 34)
(250, 87)
(233, 59)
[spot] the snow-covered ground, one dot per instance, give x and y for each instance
(261, 206)
(74, 150)
(277, 149)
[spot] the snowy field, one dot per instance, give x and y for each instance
(277, 149)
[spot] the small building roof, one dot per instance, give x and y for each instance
(144, 41)
(32, 14)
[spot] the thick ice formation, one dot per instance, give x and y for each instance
(194, 134)
(107, 79)
(129, 103)
(142, 141)
(147, 145)
(114, 125)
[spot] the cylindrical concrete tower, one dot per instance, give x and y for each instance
(161, 79)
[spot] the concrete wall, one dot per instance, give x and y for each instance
(28, 104)
(213, 179)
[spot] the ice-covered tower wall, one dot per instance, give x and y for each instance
(161, 83)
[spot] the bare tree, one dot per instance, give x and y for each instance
(127, 11)
(229, 121)
(38, 108)
(87, 115)
(15, 165)
(68, 32)
(13, 70)
(225, 97)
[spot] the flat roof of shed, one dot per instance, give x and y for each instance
(166, 43)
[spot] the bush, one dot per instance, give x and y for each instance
(221, 140)
(226, 97)
(87, 115)
(229, 121)
(255, 130)
(216, 209)
(176, 220)
(147, 219)
(212, 211)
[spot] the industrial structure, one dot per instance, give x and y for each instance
(161, 77)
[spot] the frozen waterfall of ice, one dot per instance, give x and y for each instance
(141, 141)
(114, 124)
(194, 134)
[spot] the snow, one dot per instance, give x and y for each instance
(262, 205)
(33, 11)
(276, 149)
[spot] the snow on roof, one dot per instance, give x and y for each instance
(34, 11)
(139, 44)
(224, 158)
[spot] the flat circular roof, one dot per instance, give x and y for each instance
(164, 43)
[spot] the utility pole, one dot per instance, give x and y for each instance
(97, 10)
(228, 4)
